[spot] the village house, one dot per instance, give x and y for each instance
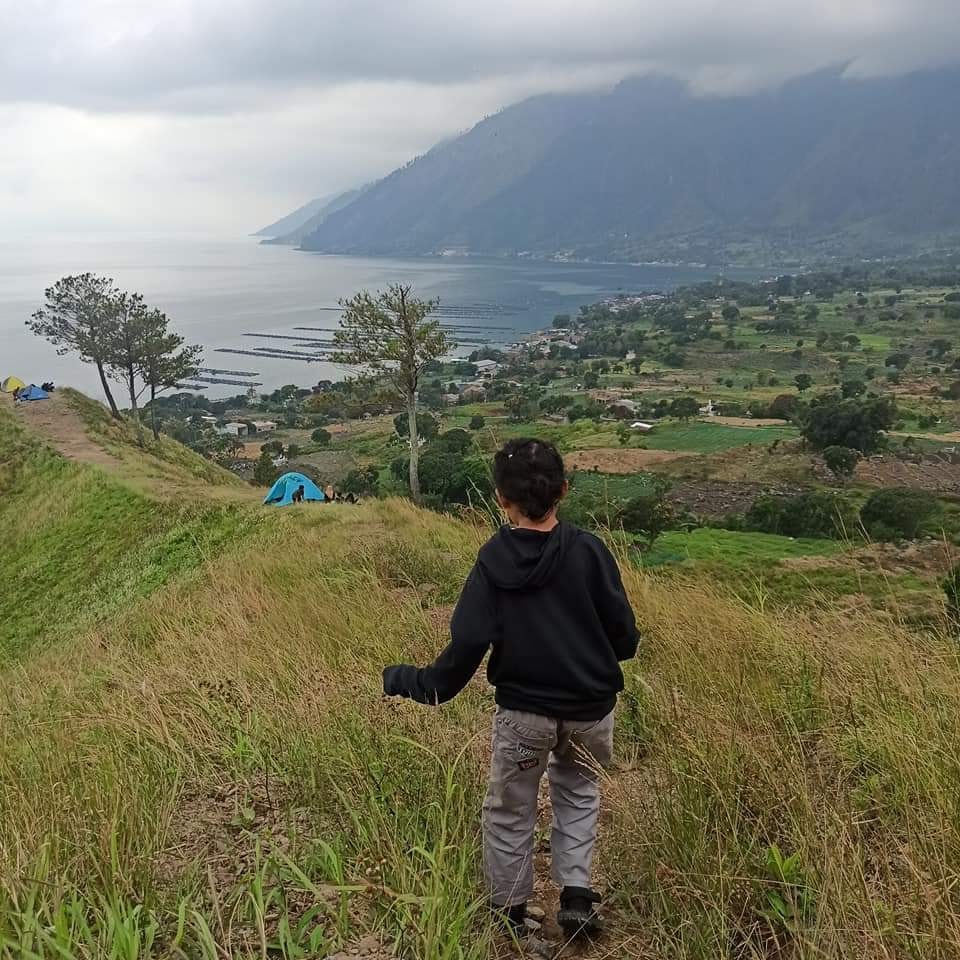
(265, 426)
(233, 429)
(486, 368)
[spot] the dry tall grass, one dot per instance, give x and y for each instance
(216, 775)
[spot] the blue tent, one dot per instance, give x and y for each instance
(33, 392)
(281, 493)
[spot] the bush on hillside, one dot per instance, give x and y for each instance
(897, 514)
(684, 408)
(453, 441)
(784, 407)
(841, 461)
(361, 482)
(812, 514)
(428, 426)
(454, 478)
(477, 422)
(855, 423)
(647, 515)
(272, 447)
(264, 472)
(321, 437)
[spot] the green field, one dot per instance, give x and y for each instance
(731, 548)
(704, 437)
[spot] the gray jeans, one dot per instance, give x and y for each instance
(524, 746)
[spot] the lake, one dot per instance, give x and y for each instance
(216, 291)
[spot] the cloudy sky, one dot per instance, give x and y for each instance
(217, 116)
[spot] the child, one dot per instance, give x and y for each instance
(549, 600)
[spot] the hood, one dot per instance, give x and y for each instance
(517, 559)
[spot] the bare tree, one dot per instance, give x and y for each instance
(77, 317)
(391, 335)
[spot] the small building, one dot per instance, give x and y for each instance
(233, 429)
(450, 399)
(641, 426)
(265, 426)
(207, 419)
(709, 410)
(486, 368)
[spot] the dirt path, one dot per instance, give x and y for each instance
(61, 426)
(952, 437)
(744, 422)
(58, 423)
(620, 460)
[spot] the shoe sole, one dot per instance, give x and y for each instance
(575, 923)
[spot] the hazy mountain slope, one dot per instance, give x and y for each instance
(648, 165)
(294, 220)
(429, 202)
(295, 227)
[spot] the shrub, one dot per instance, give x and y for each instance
(648, 515)
(476, 422)
(812, 514)
(853, 388)
(362, 482)
(265, 473)
(453, 441)
(273, 448)
(454, 478)
(784, 407)
(841, 461)
(321, 437)
(899, 513)
(899, 360)
(427, 425)
(684, 408)
(854, 423)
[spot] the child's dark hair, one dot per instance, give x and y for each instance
(529, 473)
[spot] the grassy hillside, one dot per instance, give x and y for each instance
(82, 543)
(210, 771)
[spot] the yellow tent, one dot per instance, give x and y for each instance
(11, 384)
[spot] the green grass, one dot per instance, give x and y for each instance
(80, 546)
(164, 460)
(734, 549)
(223, 779)
(613, 486)
(705, 437)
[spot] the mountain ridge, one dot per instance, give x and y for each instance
(649, 171)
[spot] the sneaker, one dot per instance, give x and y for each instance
(577, 914)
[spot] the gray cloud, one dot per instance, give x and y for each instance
(222, 111)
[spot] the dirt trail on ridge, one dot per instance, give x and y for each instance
(58, 423)
(61, 426)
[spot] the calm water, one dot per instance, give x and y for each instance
(215, 291)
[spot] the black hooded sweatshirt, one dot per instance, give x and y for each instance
(553, 608)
